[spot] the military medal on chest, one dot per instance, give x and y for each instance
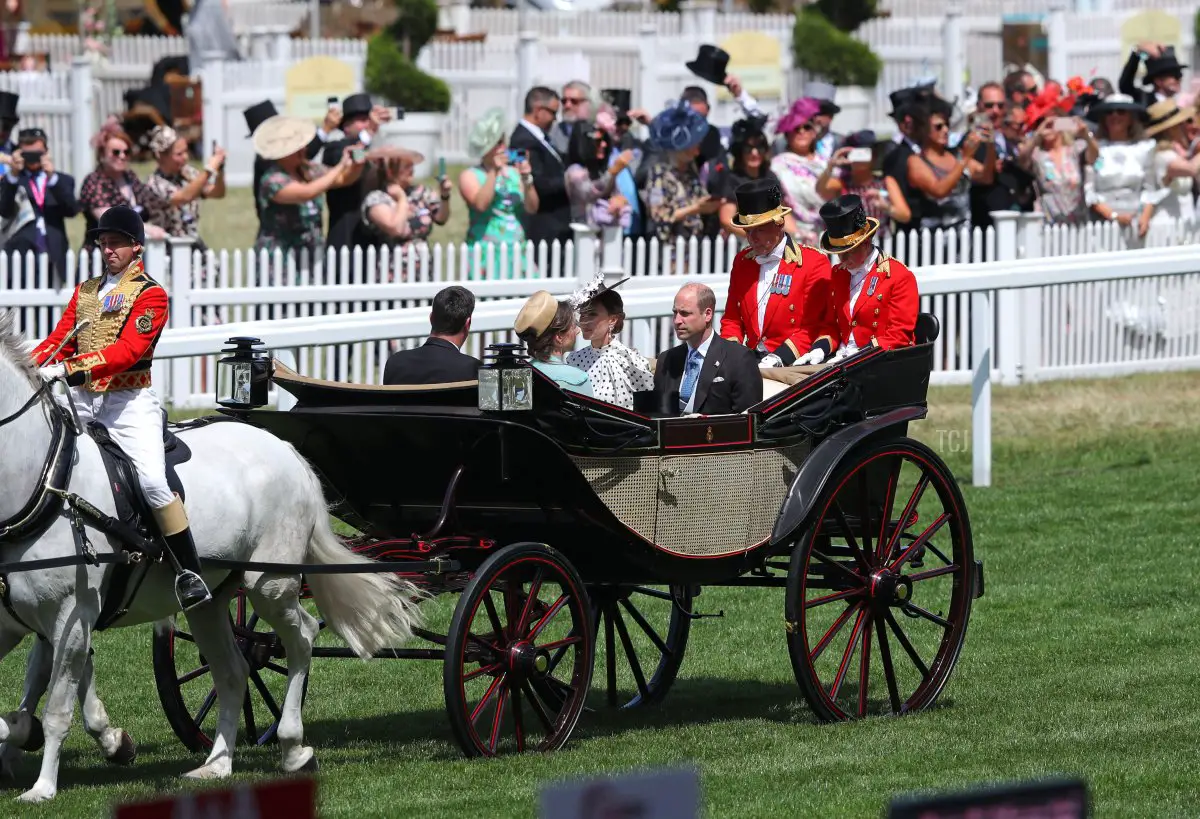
(872, 285)
(782, 284)
(112, 303)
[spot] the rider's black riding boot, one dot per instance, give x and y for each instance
(189, 585)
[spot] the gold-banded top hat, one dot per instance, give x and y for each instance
(846, 224)
(281, 136)
(537, 314)
(759, 201)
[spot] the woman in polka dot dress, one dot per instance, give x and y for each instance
(616, 372)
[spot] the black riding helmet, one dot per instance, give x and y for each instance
(120, 219)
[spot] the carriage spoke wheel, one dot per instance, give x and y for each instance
(880, 588)
(519, 653)
(641, 635)
(185, 684)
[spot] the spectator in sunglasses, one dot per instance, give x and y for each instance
(942, 177)
(114, 183)
(799, 168)
(751, 154)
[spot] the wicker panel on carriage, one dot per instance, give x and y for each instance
(706, 505)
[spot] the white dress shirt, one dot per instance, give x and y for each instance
(858, 277)
(540, 135)
(701, 351)
(768, 266)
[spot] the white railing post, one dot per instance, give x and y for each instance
(1030, 243)
(647, 84)
(585, 254)
(953, 56)
(527, 54)
(180, 290)
(82, 128)
(1056, 41)
(611, 240)
(699, 19)
(212, 81)
(1009, 329)
(981, 389)
(281, 50)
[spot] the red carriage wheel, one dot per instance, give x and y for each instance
(868, 632)
(519, 653)
(185, 685)
(641, 636)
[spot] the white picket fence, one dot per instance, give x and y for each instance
(1056, 329)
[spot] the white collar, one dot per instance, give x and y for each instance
(776, 253)
(704, 345)
(533, 129)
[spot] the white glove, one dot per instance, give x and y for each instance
(840, 355)
(770, 360)
(52, 371)
(811, 357)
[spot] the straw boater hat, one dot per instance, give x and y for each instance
(282, 136)
(846, 224)
(759, 201)
(1166, 114)
(536, 315)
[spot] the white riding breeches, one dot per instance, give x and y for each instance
(134, 421)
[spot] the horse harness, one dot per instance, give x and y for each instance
(133, 529)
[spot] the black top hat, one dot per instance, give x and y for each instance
(356, 105)
(120, 219)
(8, 105)
(907, 97)
(759, 201)
(937, 105)
(829, 108)
(746, 129)
(256, 115)
(621, 99)
(712, 64)
(1165, 64)
(846, 224)
(861, 139)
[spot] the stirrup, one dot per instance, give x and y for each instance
(198, 597)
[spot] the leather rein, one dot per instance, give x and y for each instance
(44, 503)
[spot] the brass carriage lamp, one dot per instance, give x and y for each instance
(243, 374)
(505, 379)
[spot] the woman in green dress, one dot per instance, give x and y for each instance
(495, 193)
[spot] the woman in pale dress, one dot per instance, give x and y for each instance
(1174, 169)
(616, 372)
(799, 168)
(1117, 183)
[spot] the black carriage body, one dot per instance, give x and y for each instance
(627, 498)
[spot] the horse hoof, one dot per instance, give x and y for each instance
(309, 767)
(36, 738)
(207, 772)
(126, 752)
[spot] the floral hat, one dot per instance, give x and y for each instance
(802, 110)
(487, 132)
(678, 128)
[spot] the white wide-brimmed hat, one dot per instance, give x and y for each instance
(387, 146)
(281, 136)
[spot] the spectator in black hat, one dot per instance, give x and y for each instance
(35, 202)
(751, 152)
(909, 106)
(1164, 73)
(257, 114)
(8, 123)
(360, 122)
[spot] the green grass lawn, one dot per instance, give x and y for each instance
(232, 223)
(1081, 659)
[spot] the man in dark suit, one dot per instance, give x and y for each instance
(35, 202)
(438, 360)
(553, 218)
(344, 203)
(706, 374)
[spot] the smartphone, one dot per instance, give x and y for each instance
(860, 155)
(1065, 124)
(442, 168)
(515, 155)
(399, 112)
(332, 101)
(358, 154)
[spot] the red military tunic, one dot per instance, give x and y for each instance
(796, 318)
(885, 313)
(115, 350)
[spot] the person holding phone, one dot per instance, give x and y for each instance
(941, 176)
(179, 186)
(35, 202)
(852, 170)
(1056, 152)
(497, 194)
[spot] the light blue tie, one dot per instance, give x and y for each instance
(691, 374)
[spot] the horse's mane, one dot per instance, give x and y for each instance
(14, 347)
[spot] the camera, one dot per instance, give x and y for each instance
(399, 112)
(32, 157)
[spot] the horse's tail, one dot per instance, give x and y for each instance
(371, 611)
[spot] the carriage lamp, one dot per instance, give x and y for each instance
(243, 374)
(505, 379)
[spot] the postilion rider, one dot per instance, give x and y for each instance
(107, 364)
(779, 293)
(875, 297)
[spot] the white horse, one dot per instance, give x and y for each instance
(250, 497)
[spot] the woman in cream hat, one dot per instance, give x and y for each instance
(1174, 167)
(496, 192)
(179, 186)
(548, 328)
(289, 193)
(396, 212)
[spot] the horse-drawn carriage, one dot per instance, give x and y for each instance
(579, 533)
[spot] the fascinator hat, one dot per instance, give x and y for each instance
(162, 139)
(802, 111)
(487, 132)
(592, 290)
(678, 128)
